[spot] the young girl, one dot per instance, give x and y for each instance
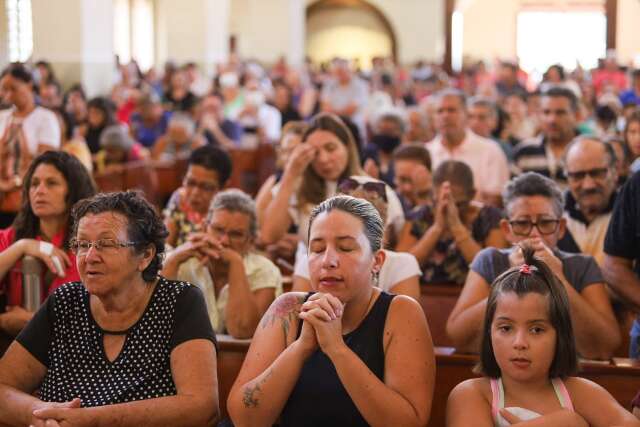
(528, 355)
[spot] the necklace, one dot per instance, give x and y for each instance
(366, 311)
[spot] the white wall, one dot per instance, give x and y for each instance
(628, 40)
(490, 25)
(263, 29)
(346, 33)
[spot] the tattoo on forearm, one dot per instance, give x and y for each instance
(285, 310)
(250, 393)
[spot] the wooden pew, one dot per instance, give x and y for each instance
(621, 377)
(437, 301)
(136, 175)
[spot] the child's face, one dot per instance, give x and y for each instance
(523, 339)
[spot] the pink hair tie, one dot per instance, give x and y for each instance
(525, 269)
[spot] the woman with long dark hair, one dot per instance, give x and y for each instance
(54, 182)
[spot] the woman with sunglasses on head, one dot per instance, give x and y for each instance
(445, 238)
(400, 272)
(328, 154)
(54, 182)
(534, 206)
(121, 346)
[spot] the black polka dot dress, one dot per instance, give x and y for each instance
(75, 358)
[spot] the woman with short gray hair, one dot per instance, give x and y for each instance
(237, 282)
(534, 218)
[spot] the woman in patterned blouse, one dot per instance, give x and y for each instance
(122, 346)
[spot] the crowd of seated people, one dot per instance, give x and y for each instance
(522, 197)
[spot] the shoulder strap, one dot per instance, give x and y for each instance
(497, 399)
(562, 393)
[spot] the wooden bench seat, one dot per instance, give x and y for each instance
(621, 377)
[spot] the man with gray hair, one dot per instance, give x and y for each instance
(592, 178)
(456, 142)
(238, 283)
(483, 120)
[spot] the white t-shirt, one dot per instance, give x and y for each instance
(40, 127)
(398, 266)
(484, 156)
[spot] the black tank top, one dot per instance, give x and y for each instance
(319, 398)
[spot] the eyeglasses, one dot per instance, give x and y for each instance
(523, 227)
(81, 247)
(375, 189)
(204, 186)
(597, 173)
(237, 236)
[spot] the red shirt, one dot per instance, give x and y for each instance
(11, 284)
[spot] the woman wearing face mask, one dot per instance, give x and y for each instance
(377, 154)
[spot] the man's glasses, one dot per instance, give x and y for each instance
(376, 189)
(523, 227)
(597, 174)
(204, 186)
(81, 247)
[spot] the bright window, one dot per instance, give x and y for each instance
(133, 31)
(569, 38)
(20, 30)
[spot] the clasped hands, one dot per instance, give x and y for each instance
(66, 414)
(447, 216)
(322, 323)
(206, 248)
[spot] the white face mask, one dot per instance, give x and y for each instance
(255, 97)
(621, 123)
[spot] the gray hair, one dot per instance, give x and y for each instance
(456, 93)
(115, 136)
(424, 118)
(391, 116)
(184, 120)
(235, 200)
(360, 208)
(533, 184)
(481, 101)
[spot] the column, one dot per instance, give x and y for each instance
(4, 35)
(76, 36)
(193, 31)
(297, 32)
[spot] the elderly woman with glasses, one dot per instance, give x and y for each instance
(238, 283)
(534, 206)
(120, 347)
